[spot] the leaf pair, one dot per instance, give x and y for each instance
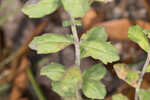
(94, 44)
(77, 8)
(65, 82)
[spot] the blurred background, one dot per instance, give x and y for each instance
(20, 66)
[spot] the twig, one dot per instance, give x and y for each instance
(35, 85)
(142, 75)
(76, 42)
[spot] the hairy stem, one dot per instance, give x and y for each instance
(142, 75)
(77, 52)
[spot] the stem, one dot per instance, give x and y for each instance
(76, 42)
(77, 53)
(142, 75)
(35, 85)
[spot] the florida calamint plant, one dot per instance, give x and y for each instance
(68, 82)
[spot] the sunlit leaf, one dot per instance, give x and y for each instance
(77, 8)
(137, 35)
(42, 8)
(71, 80)
(144, 94)
(103, 51)
(94, 89)
(119, 97)
(50, 43)
(53, 71)
(96, 72)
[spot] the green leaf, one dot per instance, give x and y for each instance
(54, 71)
(71, 80)
(137, 35)
(77, 8)
(50, 43)
(132, 76)
(144, 94)
(56, 87)
(94, 89)
(42, 8)
(119, 97)
(148, 68)
(103, 51)
(96, 72)
(96, 33)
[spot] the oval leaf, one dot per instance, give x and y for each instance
(54, 71)
(50, 43)
(96, 33)
(77, 8)
(96, 72)
(137, 35)
(103, 51)
(42, 8)
(94, 89)
(119, 97)
(71, 80)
